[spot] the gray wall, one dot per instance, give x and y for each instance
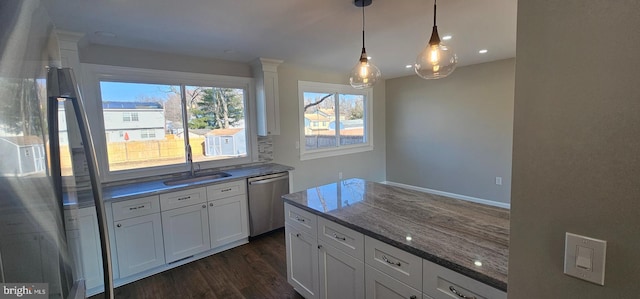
(576, 156)
(368, 165)
(117, 56)
(453, 134)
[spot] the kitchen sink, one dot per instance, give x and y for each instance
(197, 178)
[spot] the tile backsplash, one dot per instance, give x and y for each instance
(265, 148)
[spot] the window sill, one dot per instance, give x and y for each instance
(332, 152)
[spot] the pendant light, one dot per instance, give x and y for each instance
(364, 74)
(436, 60)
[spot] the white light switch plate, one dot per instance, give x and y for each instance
(589, 264)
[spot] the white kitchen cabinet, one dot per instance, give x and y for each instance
(265, 72)
(228, 220)
(442, 283)
(27, 244)
(90, 251)
(186, 231)
(399, 264)
(383, 286)
(139, 244)
(341, 275)
(302, 262)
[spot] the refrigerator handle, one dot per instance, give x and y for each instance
(64, 81)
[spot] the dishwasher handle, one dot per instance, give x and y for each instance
(260, 182)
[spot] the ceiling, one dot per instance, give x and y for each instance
(324, 35)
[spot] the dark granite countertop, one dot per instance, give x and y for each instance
(153, 186)
(466, 237)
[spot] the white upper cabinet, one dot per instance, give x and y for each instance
(265, 72)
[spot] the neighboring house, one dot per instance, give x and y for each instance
(226, 142)
(23, 155)
(316, 121)
(133, 121)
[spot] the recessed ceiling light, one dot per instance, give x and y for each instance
(408, 66)
(105, 34)
(447, 37)
(483, 51)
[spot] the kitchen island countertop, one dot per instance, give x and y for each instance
(466, 237)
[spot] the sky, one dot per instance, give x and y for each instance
(131, 92)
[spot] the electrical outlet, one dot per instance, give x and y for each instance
(499, 180)
(340, 175)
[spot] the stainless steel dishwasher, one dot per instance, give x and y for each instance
(266, 208)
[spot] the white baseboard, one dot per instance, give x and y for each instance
(452, 195)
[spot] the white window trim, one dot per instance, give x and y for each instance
(307, 86)
(94, 73)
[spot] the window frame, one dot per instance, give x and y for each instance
(94, 74)
(338, 150)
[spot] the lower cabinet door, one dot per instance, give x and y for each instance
(228, 220)
(90, 249)
(302, 262)
(383, 286)
(139, 244)
(341, 275)
(186, 231)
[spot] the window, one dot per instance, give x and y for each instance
(335, 120)
(149, 118)
(147, 134)
(130, 116)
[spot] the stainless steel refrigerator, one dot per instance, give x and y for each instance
(37, 99)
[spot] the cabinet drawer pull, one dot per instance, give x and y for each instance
(184, 198)
(226, 190)
(413, 297)
(300, 219)
(211, 204)
(204, 206)
(119, 225)
(338, 237)
(455, 292)
(384, 258)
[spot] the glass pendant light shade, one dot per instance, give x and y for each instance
(364, 74)
(436, 60)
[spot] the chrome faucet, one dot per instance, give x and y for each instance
(192, 171)
(190, 160)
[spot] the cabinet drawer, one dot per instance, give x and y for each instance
(397, 263)
(183, 198)
(343, 238)
(135, 207)
(442, 283)
(225, 190)
(301, 219)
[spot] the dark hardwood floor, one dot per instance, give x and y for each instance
(254, 270)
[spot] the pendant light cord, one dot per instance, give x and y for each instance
(434, 12)
(362, 25)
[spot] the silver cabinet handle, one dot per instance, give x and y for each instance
(299, 219)
(338, 237)
(298, 235)
(384, 258)
(319, 246)
(119, 225)
(413, 297)
(204, 206)
(211, 204)
(456, 292)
